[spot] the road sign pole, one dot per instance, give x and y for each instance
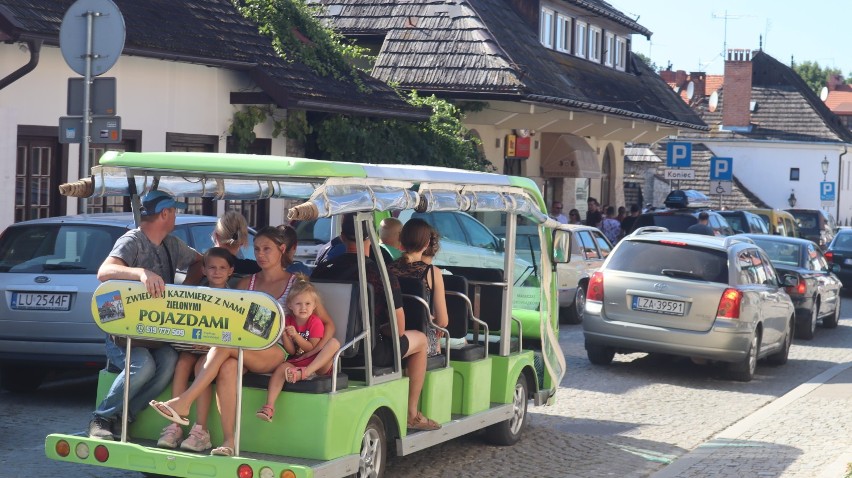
(87, 110)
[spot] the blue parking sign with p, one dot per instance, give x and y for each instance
(678, 155)
(721, 169)
(826, 191)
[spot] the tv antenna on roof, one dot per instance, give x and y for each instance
(727, 17)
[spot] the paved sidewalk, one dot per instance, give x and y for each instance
(804, 433)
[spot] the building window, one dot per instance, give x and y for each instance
(130, 142)
(794, 174)
(609, 53)
(594, 43)
(546, 33)
(620, 53)
(580, 40)
(848, 121)
(563, 33)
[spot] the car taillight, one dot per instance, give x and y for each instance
(729, 304)
(595, 292)
(829, 256)
(799, 289)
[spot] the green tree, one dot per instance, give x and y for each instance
(814, 75)
(647, 60)
(442, 140)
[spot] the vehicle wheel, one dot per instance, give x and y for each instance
(573, 314)
(600, 354)
(21, 379)
(509, 432)
(374, 456)
(780, 358)
(806, 331)
(743, 371)
(831, 322)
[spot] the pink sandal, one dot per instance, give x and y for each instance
(291, 374)
(265, 413)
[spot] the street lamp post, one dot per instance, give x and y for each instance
(824, 165)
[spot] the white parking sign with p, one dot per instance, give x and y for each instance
(678, 155)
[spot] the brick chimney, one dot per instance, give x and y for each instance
(834, 81)
(737, 89)
(699, 82)
(668, 76)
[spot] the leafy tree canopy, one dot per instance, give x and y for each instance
(815, 75)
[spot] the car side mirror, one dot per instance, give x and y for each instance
(501, 244)
(562, 242)
(791, 281)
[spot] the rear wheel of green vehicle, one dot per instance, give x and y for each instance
(374, 455)
(509, 432)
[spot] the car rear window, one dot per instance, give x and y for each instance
(672, 222)
(736, 222)
(317, 231)
(808, 222)
(674, 260)
(56, 248)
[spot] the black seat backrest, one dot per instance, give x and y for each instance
(342, 300)
(457, 309)
(487, 300)
(416, 313)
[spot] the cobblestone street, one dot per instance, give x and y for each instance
(631, 419)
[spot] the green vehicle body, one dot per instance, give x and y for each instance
(323, 434)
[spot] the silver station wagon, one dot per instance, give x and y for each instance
(709, 298)
(48, 273)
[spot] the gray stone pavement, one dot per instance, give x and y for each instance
(805, 433)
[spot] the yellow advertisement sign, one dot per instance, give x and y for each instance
(188, 315)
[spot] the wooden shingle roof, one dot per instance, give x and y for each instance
(786, 108)
(485, 49)
(212, 32)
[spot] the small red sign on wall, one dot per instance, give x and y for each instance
(522, 147)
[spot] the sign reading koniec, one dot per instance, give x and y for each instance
(188, 315)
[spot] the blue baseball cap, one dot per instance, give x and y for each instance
(155, 201)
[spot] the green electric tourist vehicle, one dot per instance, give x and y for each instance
(350, 422)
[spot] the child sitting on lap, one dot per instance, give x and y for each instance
(218, 267)
(303, 329)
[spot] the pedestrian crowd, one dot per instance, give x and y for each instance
(614, 223)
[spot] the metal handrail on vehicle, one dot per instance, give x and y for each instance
(648, 229)
(335, 367)
(473, 318)
(432, 322)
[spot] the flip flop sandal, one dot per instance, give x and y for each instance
(222, 451)
(420, 422)
(169, 413)
(265, 413)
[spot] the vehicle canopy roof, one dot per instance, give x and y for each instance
(329, 187)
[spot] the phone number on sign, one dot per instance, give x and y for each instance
(150, 329)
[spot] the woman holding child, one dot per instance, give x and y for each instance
(221, 364)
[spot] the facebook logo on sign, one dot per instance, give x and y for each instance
(196, 333)
(679, 155)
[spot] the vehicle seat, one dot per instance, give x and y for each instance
(415, 303)
(460, 311)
